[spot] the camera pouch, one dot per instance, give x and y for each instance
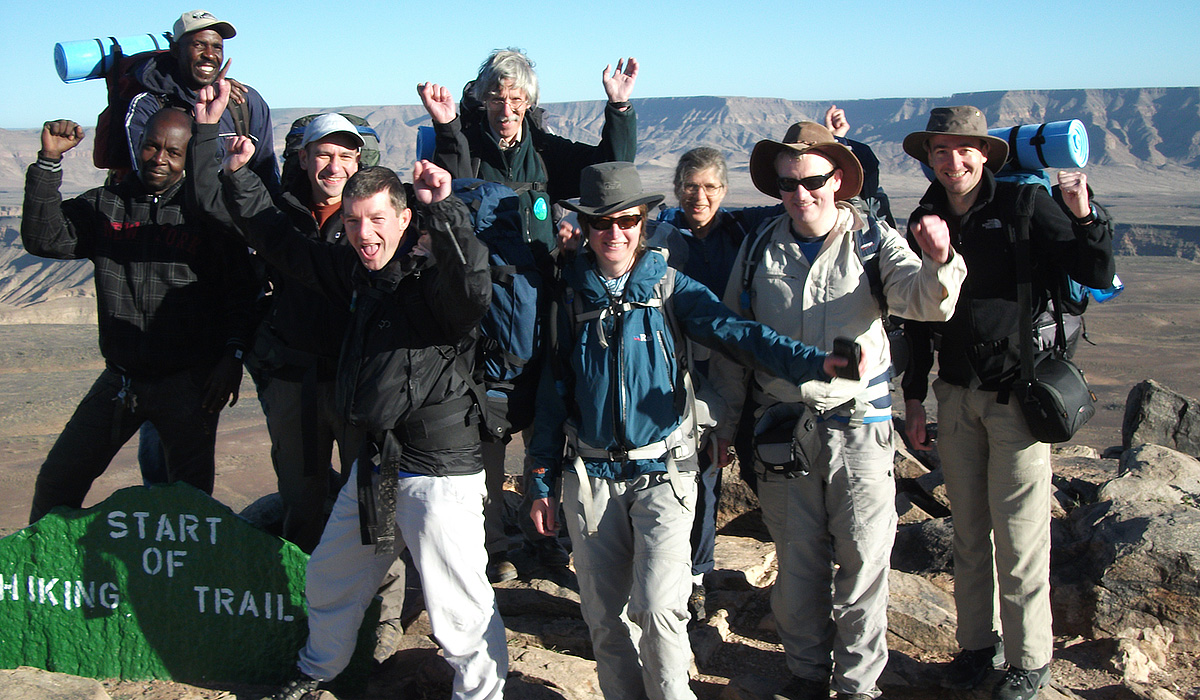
(1057, 401)
(786, 440)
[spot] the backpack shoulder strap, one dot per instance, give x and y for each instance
(867, 243)
(754, 254)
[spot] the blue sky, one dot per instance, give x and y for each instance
(312, 54)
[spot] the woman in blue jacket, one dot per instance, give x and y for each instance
(618, 412)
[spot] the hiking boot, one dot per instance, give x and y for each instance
(549, 552)
(803, 689)
(971, 666)
(499, 569)
(1019, 684)
(297, 688)
(696, 601)
(387, 639)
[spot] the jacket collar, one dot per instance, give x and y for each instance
(935, 198)
(583, 276)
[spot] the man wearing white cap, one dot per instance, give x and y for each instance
(194, 61)
(294, 356)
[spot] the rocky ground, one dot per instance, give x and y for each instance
(1148, 332)
(737, 652)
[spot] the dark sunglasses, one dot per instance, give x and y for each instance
(604, 223)
(810, 183)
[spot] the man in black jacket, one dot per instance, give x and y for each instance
(402, 379)
(174, 294)
(295, 352)
(997, 475)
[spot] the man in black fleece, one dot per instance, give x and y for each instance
(174, 293)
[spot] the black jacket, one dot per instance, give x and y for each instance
(979, 341)
(466, 148)
(409, 323)
(172, 289)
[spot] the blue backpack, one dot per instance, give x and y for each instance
(507, 361)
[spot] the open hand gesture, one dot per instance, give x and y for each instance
(619, 85)
(430, 183)
(1073, 184)
(211, 100)
(438, 102)
(933, 236)
(60, 136)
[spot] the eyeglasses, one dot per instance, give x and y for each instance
(606, 222)
(811, 183)
(514, 103)
(693, 188)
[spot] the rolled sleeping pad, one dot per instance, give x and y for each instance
(92, 58)
(1062, 144)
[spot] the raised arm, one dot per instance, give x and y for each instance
(464, 283)
(50, 227)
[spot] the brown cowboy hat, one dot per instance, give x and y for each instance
(605, 188)
(805, 137)
(963, 120)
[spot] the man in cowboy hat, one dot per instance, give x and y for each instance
(811, 283)
(997, 475)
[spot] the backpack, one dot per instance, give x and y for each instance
(368, 156)
(1065, 295)
(508, 354)
(111, 148)
(696, 402)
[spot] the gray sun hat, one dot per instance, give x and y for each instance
(195, 20)
(610, 187)
(962, 120)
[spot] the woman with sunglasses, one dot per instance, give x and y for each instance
(617, 421)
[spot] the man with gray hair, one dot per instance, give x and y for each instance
(500, 137)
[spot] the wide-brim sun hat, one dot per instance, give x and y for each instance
(961, 120)
(606, 188)
(805, 137)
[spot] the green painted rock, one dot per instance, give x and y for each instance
(161, 582)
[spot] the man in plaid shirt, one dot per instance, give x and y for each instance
(174, 294)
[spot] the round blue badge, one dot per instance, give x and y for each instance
(540, 209)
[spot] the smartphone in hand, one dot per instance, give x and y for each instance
(852, 351)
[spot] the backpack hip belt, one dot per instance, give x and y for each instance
(676, 446)
(872, 405)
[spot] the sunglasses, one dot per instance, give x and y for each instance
(605, 222)
(810, 183)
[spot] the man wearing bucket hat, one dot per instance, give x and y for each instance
(997, 475)
(616, 420)
(832, 518)
(194, 61)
